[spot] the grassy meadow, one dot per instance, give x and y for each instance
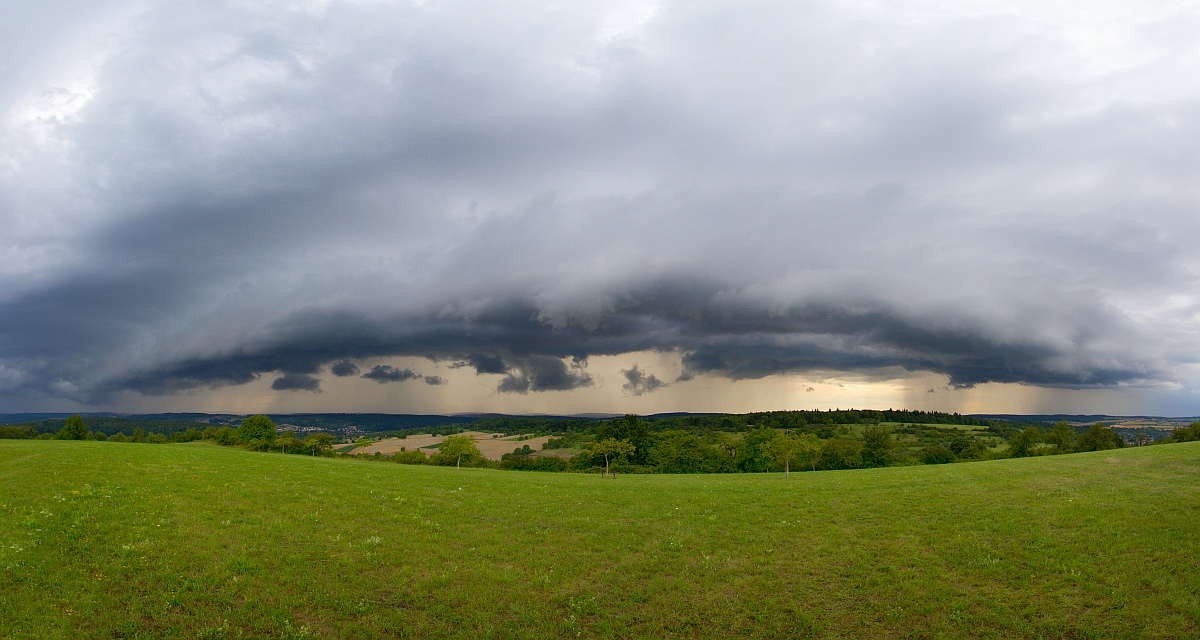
(121, 540)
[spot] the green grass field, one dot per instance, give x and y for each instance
(116, 540)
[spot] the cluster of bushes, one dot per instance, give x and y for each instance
(105, 426)
(1190, 433)
(761, 449)
(17, 432)
(771, 449)
(523, 450)
(962, 445)
(535, 463)
(1063, 439)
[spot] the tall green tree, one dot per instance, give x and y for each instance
(683, 452)
(460, 449)
(288, 440)
(318, 442)
(935, 455)
(1098, 438)
(753, 450)
(781, 451)
(257, 431)
(841, 453)
(809, 449)
(629, 428)
(877, 446)
(227, 436)
(611, 449)
(1062, 436)
(1022, 444)
(74, 429)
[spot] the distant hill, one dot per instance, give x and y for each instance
(367, 422)
(20, 418)
(1070, 417)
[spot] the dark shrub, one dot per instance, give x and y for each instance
(877, 447)
(841, 453)
(936, 455)
(1021, 446)
(1098, 438)
(409, 458)
(21, 432)
(74, 429)
(535, 463)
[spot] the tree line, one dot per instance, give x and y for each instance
(822, 423)
(257, 433)
(633, 445)
(109, 425)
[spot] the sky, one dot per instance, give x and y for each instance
(619, 206)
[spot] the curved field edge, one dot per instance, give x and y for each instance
(118, 540)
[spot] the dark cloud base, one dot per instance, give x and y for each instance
(714, 336)
(296, 382)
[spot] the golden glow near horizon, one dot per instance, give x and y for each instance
(465, 391)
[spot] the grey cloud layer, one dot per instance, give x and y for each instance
(199, 196)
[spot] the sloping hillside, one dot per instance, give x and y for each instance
(110, 540)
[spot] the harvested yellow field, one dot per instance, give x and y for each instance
(491, 445)
(392, 446)
(494, 448)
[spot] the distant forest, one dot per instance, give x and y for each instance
(382, 424)
(821, 423)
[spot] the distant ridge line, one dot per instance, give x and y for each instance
(1074, 417)
(411, 420)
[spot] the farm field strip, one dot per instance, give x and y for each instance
(490, 446)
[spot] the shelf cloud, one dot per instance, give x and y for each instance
(198, 196)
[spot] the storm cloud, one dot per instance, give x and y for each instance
(195, 196)
(296, 382)
(383, 374)
(638, 382)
